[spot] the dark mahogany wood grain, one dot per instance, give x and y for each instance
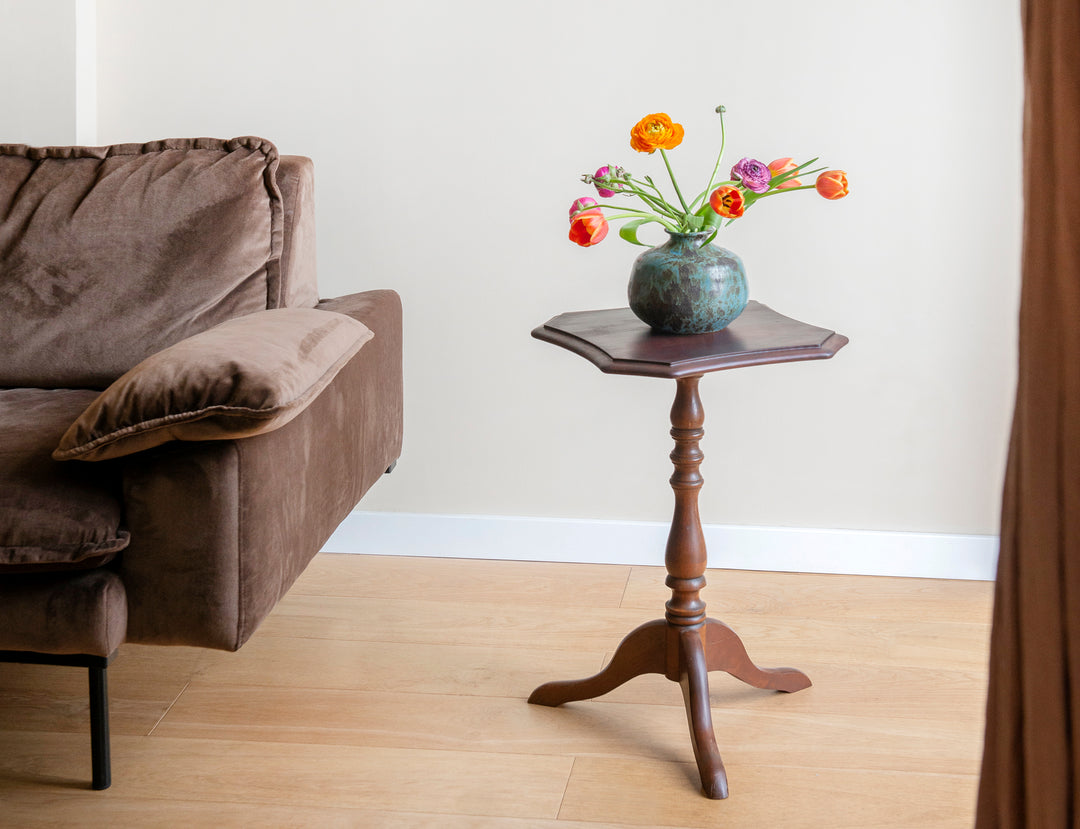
(685, 645)
(617, 342)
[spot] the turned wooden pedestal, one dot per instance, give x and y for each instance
(685, 645)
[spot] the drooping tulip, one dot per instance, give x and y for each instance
(588, 228)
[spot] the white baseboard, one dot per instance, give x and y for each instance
(855, 552)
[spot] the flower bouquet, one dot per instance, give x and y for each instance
(687, 285)
(749, 181)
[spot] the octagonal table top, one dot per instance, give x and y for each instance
(617, 342)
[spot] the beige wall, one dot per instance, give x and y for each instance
(37, 71)
(448, 140)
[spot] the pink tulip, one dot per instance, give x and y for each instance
(603, 173)
(581, 205)
(780, 166)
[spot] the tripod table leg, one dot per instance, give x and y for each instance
(695, 687)
(724, 651)
(643, 651)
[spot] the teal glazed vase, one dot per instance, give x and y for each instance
(685, 286)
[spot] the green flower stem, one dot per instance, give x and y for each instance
(629, 211)
(786, 190)
(719, 157)
(793, 173)
(674, 183)
(660, 209)
(651, 185)
(656, 203)
(670, 226)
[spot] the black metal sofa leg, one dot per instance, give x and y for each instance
(97, 666)
(99, 727)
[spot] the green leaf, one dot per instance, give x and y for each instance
(749, 197)
(709, 217)
(629, 231)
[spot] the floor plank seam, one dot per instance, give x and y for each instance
(167, 710)
(626, 588)
(566, 788)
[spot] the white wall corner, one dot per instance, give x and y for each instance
(781, 549)
(86, 98)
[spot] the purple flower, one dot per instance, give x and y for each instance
(607, 175)
(753, 174)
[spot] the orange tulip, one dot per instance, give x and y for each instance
(588, 228)
(832, 184)
(655, 132)
(780, 166)
(728, 201)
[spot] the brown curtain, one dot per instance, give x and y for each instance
(1031, 761)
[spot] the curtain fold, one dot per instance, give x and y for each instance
(1031, 759)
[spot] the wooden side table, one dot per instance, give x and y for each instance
(685, 645)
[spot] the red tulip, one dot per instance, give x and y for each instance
(727, 201)
(832, 184)
(588, 228)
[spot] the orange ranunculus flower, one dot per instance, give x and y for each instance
(783, 165)
(588, 228)
(832, 184)
(655, 132)
(728, 202)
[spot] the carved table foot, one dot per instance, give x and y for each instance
(724, 651)
(694, 680)
(643, 651)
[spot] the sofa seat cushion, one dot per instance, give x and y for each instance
(245, 377)
(63, 613)
(110, 254)
(52, 515)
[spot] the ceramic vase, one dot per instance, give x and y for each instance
(686, 286)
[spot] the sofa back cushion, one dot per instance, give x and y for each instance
(110, 254)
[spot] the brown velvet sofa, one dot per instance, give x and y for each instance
(183, 422)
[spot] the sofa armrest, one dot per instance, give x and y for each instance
(381, 312)
(221, 529)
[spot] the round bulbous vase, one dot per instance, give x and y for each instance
(685, 286)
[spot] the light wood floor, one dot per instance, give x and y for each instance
(390, 692)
